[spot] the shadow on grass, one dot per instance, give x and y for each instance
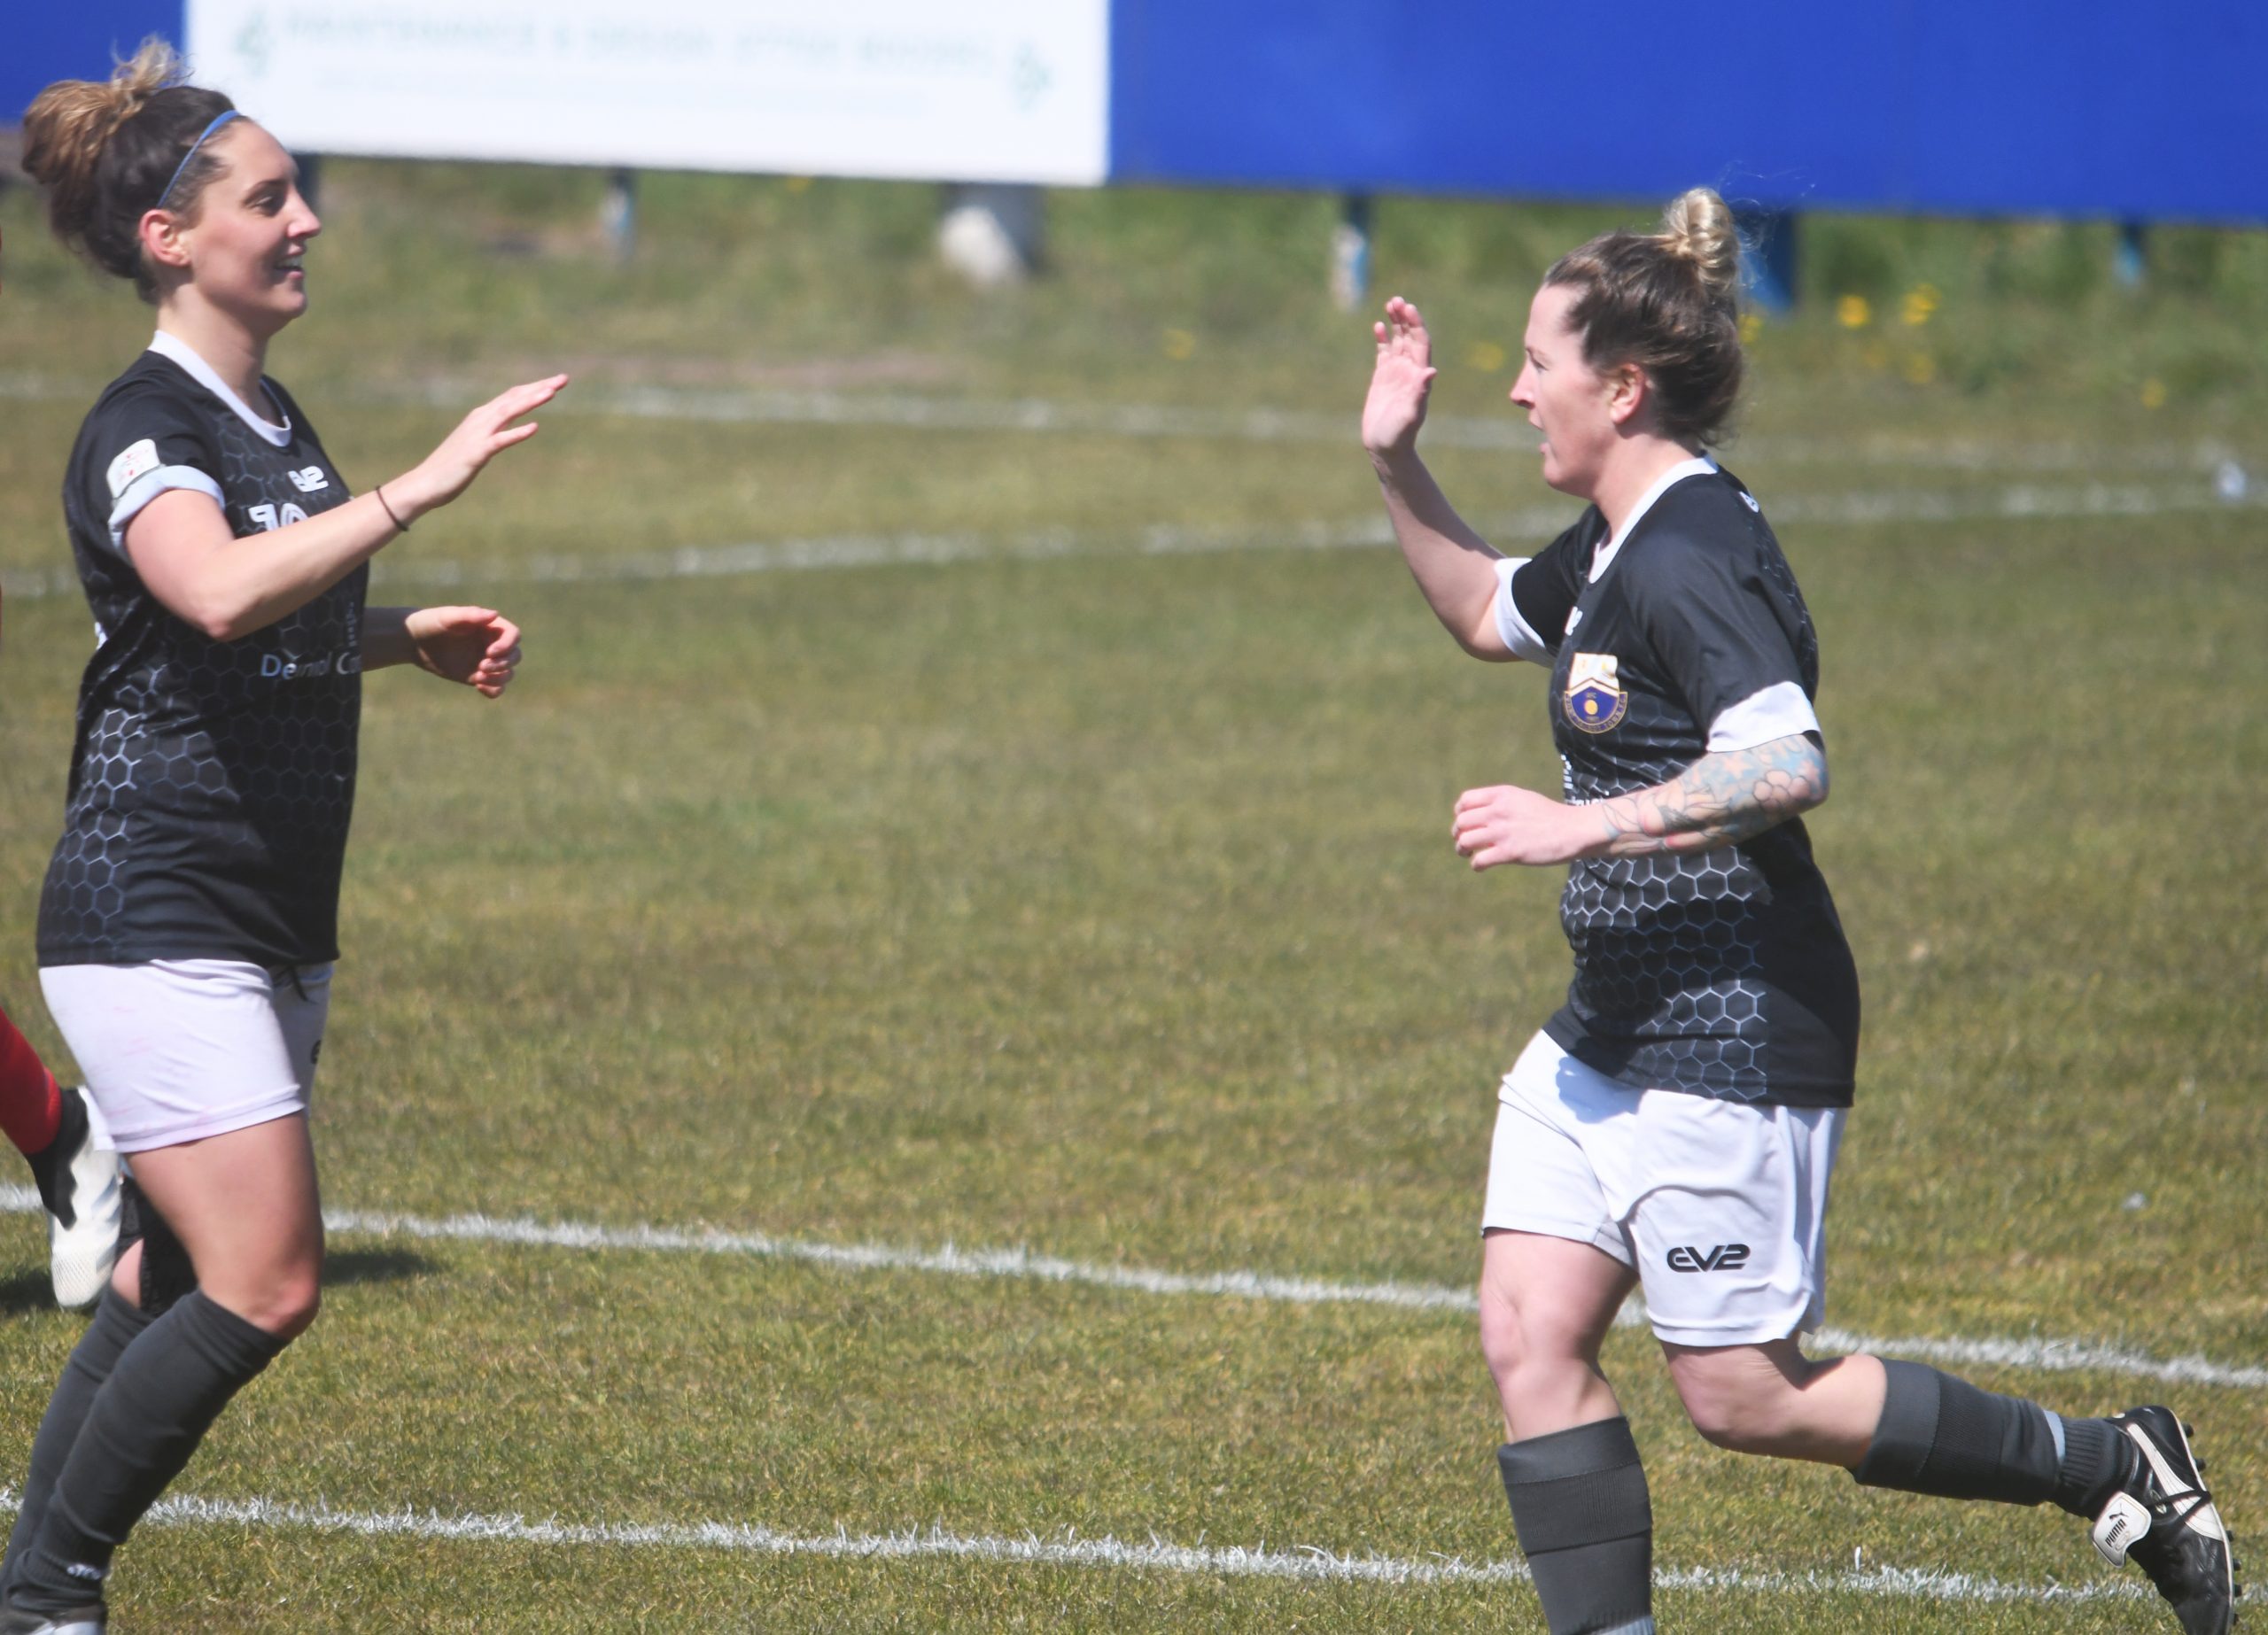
(30, 1290)
(27, 1291)
(343, 1266)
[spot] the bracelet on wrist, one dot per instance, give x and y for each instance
(400, 526)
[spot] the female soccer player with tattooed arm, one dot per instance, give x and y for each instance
(1673, 1125)
(189, 922)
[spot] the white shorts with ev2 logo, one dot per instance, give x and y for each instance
(1720, 1206)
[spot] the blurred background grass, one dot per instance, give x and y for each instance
(479, 266)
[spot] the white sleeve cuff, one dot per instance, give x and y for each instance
(147, 487)
(1516, 635)
(1780, 710)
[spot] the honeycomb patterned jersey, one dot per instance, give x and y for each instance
(212, 782)
(1722, 973)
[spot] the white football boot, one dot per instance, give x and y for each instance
(78, 1177)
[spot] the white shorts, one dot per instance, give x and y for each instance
(1720, 1206)
(178, 1050)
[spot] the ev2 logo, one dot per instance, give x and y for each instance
(308, 479)
(269, 518)
(1717, 1258)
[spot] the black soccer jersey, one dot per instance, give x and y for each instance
(212, 782)
(1724, 972)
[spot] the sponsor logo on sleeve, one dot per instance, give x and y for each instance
(139, 460)
(1596, 702)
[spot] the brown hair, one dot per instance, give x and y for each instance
(1665, 302)
(107, 149)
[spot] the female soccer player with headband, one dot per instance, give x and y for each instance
(189, 922)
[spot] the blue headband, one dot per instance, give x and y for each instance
(218, 122)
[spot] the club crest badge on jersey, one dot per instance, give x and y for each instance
(1596, 701)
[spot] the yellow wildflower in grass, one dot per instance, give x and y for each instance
(2153, 393)
(1751, 325)
(1486, 356)
(1180, 345)
(1922, 300)
(1920, 368)
(1852, 312)
(799, 184)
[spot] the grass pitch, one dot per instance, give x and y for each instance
(1103, 904)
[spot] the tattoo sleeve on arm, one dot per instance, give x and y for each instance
(1721, 800)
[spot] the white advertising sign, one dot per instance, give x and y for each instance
(971, 90)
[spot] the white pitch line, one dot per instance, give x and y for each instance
(1307, 1563)
(788, 406)
(2041, 1353)
(762, 405)
(950, 1260)
(2023, 502)
(851, 551)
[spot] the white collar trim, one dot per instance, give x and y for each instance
(1700, 467)
(180, 351)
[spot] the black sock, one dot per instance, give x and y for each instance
(2097, 1459)
(144, 1422)
(1943, 1436)
(1586, 1525)
(114, 1328)
(168, 1273)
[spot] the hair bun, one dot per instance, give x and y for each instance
(108, 150)
(1699, 227)
(72, 121)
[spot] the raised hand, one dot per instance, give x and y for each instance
(1400, 382)
(479, 647)
(480, 437)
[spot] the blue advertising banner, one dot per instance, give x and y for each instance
(1960, 107)
(41, 42)
(2077, 107)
